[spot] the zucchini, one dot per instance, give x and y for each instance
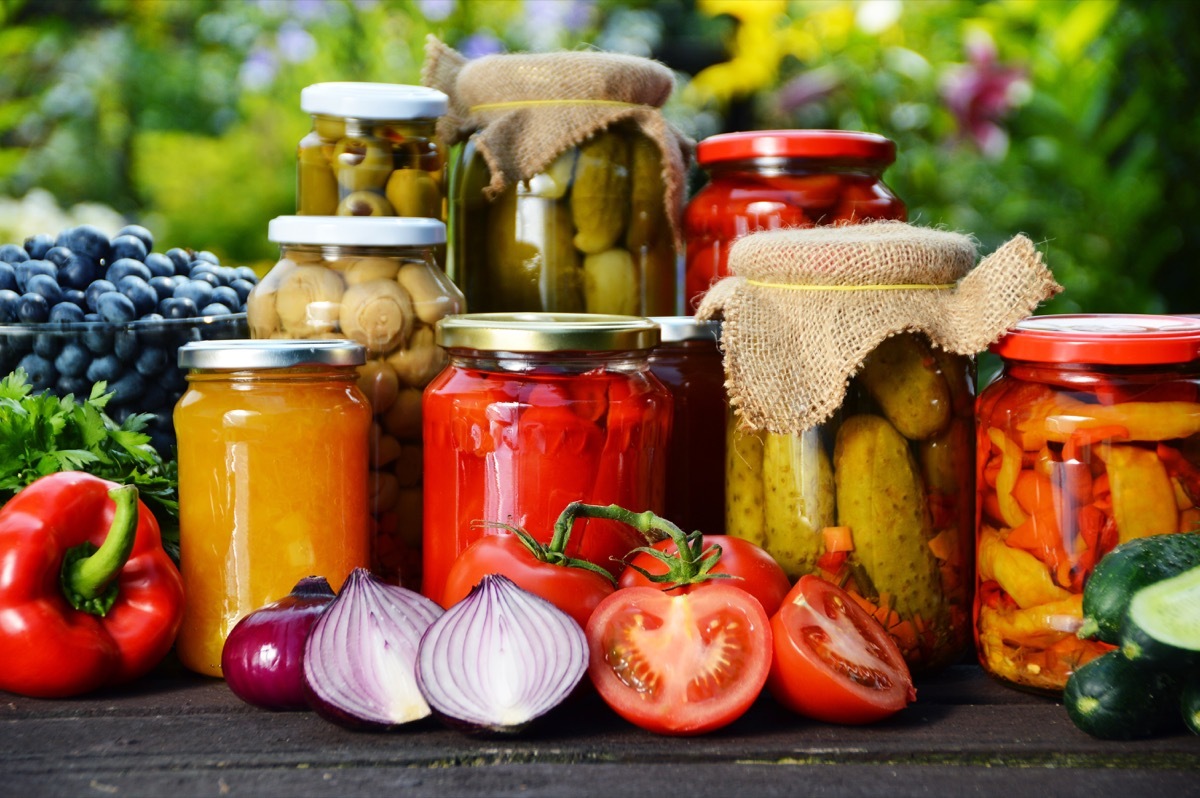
(1113, 699)
(1162, 626)
(1189, 704)
(1127, 569)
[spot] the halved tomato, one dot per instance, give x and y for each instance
(833, 661)
(683, 664)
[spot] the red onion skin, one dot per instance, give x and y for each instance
(263, 657)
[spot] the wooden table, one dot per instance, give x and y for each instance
(175, 734)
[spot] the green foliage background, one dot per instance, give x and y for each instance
(184, 114)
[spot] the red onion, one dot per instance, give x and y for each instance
(500, 658)
(359, 662)
(262, 660)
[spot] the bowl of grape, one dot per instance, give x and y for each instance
(80, 308)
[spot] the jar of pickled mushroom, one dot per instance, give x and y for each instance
(373, 151)
(272, 479)
(533, 412)
(1088, 437)
(688, 362)
(764, 180)
(374, 281)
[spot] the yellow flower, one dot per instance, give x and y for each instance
(744, 9)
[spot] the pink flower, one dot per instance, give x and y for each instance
(980, 94)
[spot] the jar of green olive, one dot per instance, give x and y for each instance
(372, 151)
(374, 281)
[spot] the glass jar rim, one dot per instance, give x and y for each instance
(278, 353)
(546, 332)
(360, 231)
(675, 329)
(824, 144)
(1117, 339)
(360, 100)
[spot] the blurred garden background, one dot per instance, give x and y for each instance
(1072, 122)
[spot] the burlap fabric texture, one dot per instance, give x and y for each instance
(526, 109)
(804, 307)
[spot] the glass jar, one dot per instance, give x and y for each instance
(688, 362)
(585, 236)
(373, 151)
(533, 412)
(878, 499)
(372, 280)
(272, 479)
(765, 180)
(1088, 437)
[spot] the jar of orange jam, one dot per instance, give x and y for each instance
(272, 479)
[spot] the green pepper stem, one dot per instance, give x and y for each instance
(89, 573)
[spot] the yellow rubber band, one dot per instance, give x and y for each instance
(901, 287)
(524, 103)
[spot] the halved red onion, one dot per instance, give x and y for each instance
(359, 661)
(500, 658)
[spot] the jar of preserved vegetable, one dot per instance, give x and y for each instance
(374, 281)
(533, 412)
(688, 362)
(765, 180)
(569, 183)
(272, 479)
(373, 151)
(1087, 438)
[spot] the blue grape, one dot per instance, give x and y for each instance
(93, 292)
(38, 245)
(125, 266)
(86, 240)
(160, 265)
(29, 268)
(78, 386)
(9, 300)
(32, 309)
(115, 307)
(215, 309)
(48, 345)
(227, 297)
(178, 307)
(243, 289)
(73, 360)
(207, 257)
(127, 247)
(75, 296)
(139, 292)
(45, 285)
(8, 276)
(126, 345)
(11, 253)
(164, 287)
(140, 233)
(247, 274)
(98, 339)
(198, 291)
(152, 360)
(67, 312)
(127, 387)
(181, 258)
(105, 368)
(40, 371)
(77, 272)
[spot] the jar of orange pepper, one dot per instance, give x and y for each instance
(764, 180)
(1087, 438)
(272, 479)
(534, 411)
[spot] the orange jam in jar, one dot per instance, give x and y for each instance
(272, 479)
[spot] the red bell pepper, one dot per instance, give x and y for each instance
(88, 596)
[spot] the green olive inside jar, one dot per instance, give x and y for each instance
(374, 281)
(373, 151)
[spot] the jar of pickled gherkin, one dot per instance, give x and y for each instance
(1087, 438)
(374, 281)
(688, 362)
(533, 412)
(373, 151)
(765, 180)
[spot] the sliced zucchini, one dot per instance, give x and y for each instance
(1162, 626)
(1113, 699)
(1127, 569)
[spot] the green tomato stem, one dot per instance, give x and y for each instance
(89, 574)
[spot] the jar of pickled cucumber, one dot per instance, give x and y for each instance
(688, 362)
(1087, 438)
(272, 479)
(373, 151)
(589, 234)
(533, 412)
(374, 281)
(764, 180)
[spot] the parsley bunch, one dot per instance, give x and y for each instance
(42, 434)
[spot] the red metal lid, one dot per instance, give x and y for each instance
(830, 144)
(1103, 339)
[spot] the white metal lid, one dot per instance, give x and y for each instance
(373, 100)
(357, 231)
(255, 353)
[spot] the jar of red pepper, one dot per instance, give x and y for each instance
(534, 411)
(763, 180)
(1086, 439)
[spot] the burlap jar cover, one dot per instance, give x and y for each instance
(526, 109)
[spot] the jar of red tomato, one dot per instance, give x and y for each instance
(534, 411)
(764, 180)
(1086, 439)
(688, 362)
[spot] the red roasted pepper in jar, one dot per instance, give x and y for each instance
(536, 411)
(1088, 437)
(764, 180)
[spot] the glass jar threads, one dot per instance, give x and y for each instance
(765, 180)
(1087, 438)
(374, 281)
(373, 151)
(688, 362)
(535, 411)
(272, 479)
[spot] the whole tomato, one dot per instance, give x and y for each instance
(753, 568)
